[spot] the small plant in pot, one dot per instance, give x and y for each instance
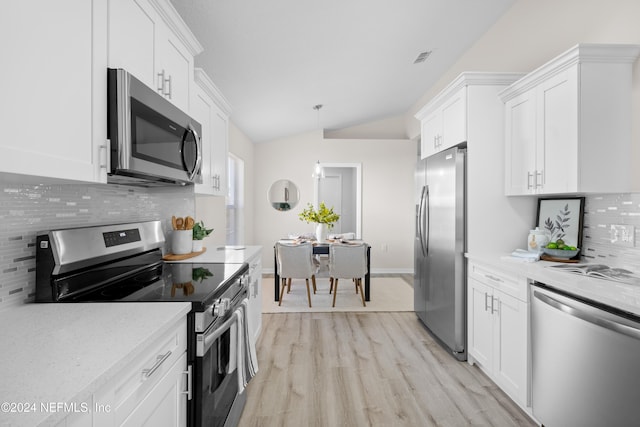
(199, 233)
(324, 217)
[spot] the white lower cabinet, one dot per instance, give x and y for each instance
(255, 295)
(497, 329)
(152, 391)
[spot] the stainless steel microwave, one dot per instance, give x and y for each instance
(152, 142)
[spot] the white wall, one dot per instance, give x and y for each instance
(212, 209)
(532, 32)
(387, 192)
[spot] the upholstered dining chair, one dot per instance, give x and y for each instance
(295, 261)
(347, 261)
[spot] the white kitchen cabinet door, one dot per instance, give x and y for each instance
(480, 326)
(520, 148)
(174, 64)
(151, 390)
(497, 313)
(50, 60)
(454, 120)
(202, 111)
(446, 125)
(149, 40)
(510, 346)
(557, 133)
(582, 117)
(132, 38)
(211, 110)
(255, 295)
(431, 131)
(166, 404)
(220, 154)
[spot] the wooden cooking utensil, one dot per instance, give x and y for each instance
(180, 223)
(174, 222)
(189, 223)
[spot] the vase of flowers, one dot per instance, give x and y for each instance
(324, 217)
(199, 233)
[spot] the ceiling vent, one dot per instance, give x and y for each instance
(422, 57)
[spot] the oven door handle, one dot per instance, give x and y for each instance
(210, 337)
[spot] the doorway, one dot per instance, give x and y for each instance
(341, 188)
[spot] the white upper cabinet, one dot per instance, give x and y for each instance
(54, 90)
(568, 124)
(210, 108)
(150, 40)
(443, 122)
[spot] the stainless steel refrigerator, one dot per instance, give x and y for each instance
(439, 246)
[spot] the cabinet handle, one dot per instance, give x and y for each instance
(494, 278)
(486, 304)
(189, 390)
(435, 142)
(492, 308)
(104, 153)
(159, 361)
(168, 92)
(539, 174)
(529, 176)
(161, 81)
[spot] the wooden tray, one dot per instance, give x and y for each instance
(172, 257)
(546, 257)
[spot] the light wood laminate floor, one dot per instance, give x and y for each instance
(366, 369)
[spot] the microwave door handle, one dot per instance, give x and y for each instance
(196, 167)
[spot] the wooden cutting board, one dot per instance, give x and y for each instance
(172, 257)
(546, 257)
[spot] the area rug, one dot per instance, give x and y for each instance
(387, 294)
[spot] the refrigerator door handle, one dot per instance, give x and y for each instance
(420, 221)
(425, 233)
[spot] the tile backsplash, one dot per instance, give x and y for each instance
(26, 210)
(602, 211)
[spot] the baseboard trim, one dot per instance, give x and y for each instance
(270, 270)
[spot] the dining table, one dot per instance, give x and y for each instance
(320, 249)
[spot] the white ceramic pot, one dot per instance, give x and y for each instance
(537, 239)
(321, 232)
(181, 242)
(197, 245)
(182, 273)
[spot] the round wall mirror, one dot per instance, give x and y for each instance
(283, 195)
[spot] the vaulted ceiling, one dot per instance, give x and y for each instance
(275, 60)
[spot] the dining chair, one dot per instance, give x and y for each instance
(347, 261)
(295, 261)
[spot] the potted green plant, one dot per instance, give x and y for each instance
(199, 233)
(324, 217)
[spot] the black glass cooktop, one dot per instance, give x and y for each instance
(155, 282)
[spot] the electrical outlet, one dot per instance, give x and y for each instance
(623, 235)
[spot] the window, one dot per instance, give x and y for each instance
(235, 201)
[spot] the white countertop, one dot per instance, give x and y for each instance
(61, 353)
(619, 295)
(226, 254)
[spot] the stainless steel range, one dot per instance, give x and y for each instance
(123, 263)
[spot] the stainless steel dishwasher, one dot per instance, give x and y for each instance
(585, 362)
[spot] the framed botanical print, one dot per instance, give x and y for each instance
(562, 218)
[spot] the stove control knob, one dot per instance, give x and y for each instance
(221, 306)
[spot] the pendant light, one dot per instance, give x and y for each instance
(318, 172)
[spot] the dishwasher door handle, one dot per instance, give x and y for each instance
(621, 328)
